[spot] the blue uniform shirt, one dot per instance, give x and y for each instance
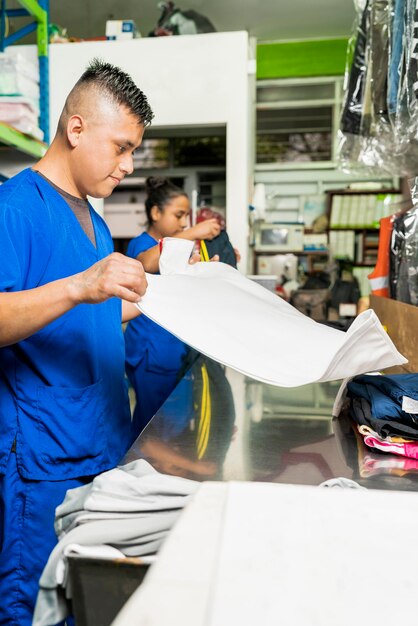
(62, 391)
(146, 339)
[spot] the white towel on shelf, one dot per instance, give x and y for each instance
(224, 315)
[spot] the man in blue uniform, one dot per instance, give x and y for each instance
(64, 412)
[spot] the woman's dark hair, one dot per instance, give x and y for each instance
(160, 191)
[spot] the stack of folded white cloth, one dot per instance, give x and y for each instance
(19, 93)
(127, 511)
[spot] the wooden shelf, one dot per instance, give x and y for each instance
(375, 229)
(296, 252)
(400, 320)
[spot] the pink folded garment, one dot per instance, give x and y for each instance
(13, 112)
(409, 450)
(22, 117)
(221, 313)
(393, 465)
(366, 430)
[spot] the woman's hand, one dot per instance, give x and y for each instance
(209, 229)
(195, 258)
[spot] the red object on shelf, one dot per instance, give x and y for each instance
(206, 213)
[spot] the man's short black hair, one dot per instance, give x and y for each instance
(119, 86)
(105, 80)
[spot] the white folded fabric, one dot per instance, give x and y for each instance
(224, 315)
(122, 493)
(138, 487)
(91, 552)
(125, 512)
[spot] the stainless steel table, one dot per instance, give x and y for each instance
(220, 425)
(244, 552)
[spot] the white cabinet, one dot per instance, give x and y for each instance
(124, 210)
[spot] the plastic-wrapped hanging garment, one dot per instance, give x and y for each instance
(244, 326)
(396, 35)
(349, 135)
(375, 88)
(411, 57)
(372, 143)
(377, 132)
(396, 252)
(404, 253)
(405, 121)
(382, 94)
(352, 109)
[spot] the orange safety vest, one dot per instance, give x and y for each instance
(379, 277)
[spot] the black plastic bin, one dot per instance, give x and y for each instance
(100, 588)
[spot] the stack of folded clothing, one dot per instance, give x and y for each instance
(125, 512)
(399, 466)
(19, 93)
(385, 411)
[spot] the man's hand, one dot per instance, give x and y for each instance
(23, 313)
(114, 276)
(209, 229)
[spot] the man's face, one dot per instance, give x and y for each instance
(104, 154)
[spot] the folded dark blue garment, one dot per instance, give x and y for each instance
(385, 394)
(382, 406)
(361, 414)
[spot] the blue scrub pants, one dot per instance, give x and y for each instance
(27, 512)
(151, 389)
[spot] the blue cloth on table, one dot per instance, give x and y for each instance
(385, 394)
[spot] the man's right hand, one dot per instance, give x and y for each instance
(23, 313)
(114, 276)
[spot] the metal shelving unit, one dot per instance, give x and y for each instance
(38, 9)
(12, 137)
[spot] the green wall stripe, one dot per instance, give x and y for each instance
(301, 58)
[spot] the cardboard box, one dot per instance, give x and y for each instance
(401, 323)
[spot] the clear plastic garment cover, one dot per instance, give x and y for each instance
(379, 121)
(403, 272)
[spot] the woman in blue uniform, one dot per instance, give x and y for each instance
(153, 355)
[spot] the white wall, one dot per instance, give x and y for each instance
(189, 81)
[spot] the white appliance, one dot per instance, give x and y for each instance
(278, 237)
(284, 266)
(269, 282)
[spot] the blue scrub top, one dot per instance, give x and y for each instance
(144, 339)
(63, 395)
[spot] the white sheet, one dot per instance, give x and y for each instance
(221, 313)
